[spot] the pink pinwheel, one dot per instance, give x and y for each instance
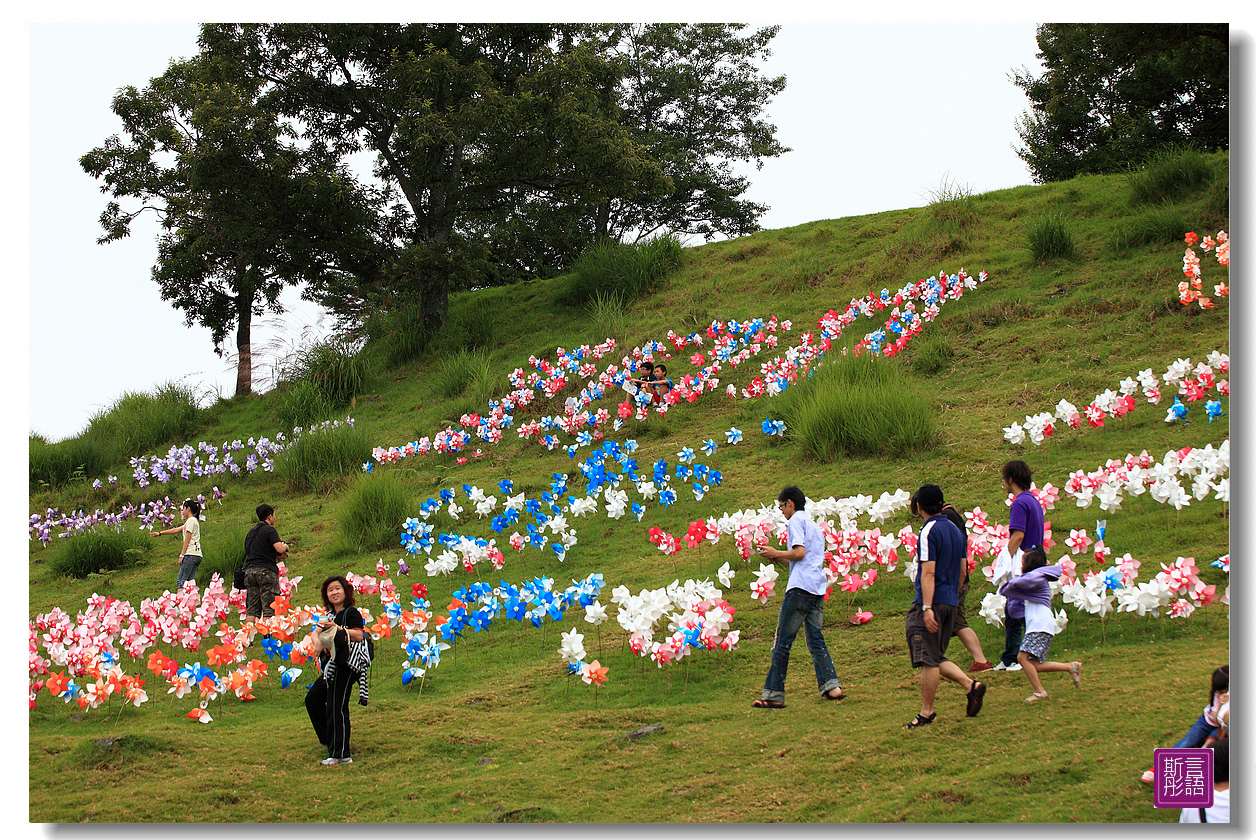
(1078, 541)
(860, 617)
(1094, 415)
(593, 673)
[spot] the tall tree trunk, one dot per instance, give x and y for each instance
(244, 340)
(602, 219)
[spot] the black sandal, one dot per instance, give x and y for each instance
(829, 696)
(921, 720)
(975, 696)
(767, 704)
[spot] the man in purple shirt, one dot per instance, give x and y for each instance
(1025, 526)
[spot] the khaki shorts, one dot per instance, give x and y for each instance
(928, 649)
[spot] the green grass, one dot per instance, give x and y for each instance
(1169, 174)
(323, 454)
(1050, 238)
(857, 405)
(627, 271)
(100, 550)
(137, 423)
(500, 734)
(335, 366)
(375, 507)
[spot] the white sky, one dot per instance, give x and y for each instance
(876, 115)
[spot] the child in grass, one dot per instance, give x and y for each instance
(1212, 724)
(1033, 588)
(662, 385)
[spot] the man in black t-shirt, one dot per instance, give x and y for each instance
(262, 552)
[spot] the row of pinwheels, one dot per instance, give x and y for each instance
(90, 647)
(1207, 469)
(1191, 289)
(904, 321)
(1192, 383)
(182, 462)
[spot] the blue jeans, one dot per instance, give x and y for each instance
(800, 609)
(187, 570)
(1200, 731)
(1014, 633)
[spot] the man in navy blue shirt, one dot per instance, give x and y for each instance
(941, 552)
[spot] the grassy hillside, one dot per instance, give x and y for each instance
(500, 733)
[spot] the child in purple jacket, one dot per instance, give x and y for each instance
(1033, 588)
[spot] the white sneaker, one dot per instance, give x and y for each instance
(1015, 666)
(1001, 667)
(328, 762)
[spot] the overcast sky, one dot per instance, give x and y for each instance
(876, 115)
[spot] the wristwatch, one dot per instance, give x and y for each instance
(927, 607)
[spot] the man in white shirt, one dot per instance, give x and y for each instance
(803, 605)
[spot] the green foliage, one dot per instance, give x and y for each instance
(473, 326)
(471, 124)
(374, 511)
(138, 422)
(1049, 237)
(857, 405)
(396, 334)
(334, 365)
(100, 550)
(953, 209)
(467, 372)
(301, 403)
(609, 314)
(325, 453)
(223, 552)
(626, 271)
(1158, 226)
(1169, 174)
(932, 353)
(245, 211)
(66, 461)
(1113, 92)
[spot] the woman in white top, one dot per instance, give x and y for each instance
(190, 555)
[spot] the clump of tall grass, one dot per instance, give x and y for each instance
(373, 514)
(1169, 173)
(67, 461)
(135, 424)
(471, 327)
(335, 365)
(467, 372)
(1161, 225)
(139, 421)
(609, 314)
(328, 451)
(857, 405)
(101, 549)
(301, 403)
(223, 549)
(397, 335)
(933, 353)
(952, 209)
(1049, 237)
(626, 270)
